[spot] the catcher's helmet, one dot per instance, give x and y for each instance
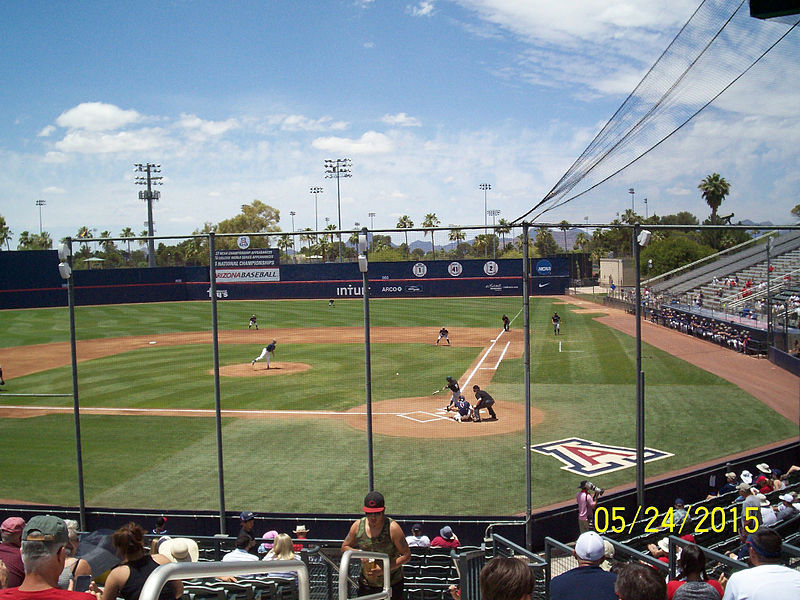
(449, 378)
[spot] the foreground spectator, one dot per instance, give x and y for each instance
(44, 542)
(694, 583)
(11, 535)
(301, 533)
(180, 550)
(767, 579)
(787, 509)
(587, 580)
(640, 582)
(730, 484)
(248, 521)
(416, 539)
(244, 544)
(445, 539)
(269, 541)
(127, 579)
(378, 533)
(282, 549)
(74, 567)
(506, 579)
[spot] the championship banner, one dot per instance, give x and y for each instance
(251, 265)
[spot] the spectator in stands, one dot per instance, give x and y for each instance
(301, 533)
(768, 517)
(161, 527)
(751, 506)
(44, 540)
(787, 509)
(693, 582)
(269, 540)
(244, 544)
(587, 500)
(180, 550)
(587, 580)
(506, 579)
(11, 535)
(376, 532)
(282, 550)
(127, 579)
(73, 567)
(660, 550)
(416, 539)
(767, 579)
(729, 485)
(3, 575)
(445, 539)
(248, 521)
(640, 582)
(679, 512)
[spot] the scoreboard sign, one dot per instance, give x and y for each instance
(252, 265)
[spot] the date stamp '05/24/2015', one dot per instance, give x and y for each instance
(716, 519)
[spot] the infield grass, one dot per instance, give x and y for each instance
(582, 381)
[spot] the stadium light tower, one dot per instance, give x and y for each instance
(494, 212)
(148, 195)
(485, 187)
(372, 226)
(40, 204)
(336, 168)
(316, 191)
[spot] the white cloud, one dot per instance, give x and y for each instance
(54, 190)
(371, 142)
(304, 123)
(206, 128)
(423, 9)
(55, 157)
(96, 142)
(46, 131)
(97, 116)
(401, 120)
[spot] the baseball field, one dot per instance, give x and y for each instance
(294, 435)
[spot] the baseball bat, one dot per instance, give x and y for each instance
(436, 392)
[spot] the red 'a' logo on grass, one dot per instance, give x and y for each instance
(585, 457)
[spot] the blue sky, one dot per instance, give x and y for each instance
(245, 100)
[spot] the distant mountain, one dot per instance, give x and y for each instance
(763, 223)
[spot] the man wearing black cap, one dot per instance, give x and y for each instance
(44, 551)
(248, 520)
(767, 579)
(416, 539)
(375, 532)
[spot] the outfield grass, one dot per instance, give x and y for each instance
(585, 390)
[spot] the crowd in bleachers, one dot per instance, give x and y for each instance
(723, 333)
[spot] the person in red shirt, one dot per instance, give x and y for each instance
(44, 551)
(445, 539)
(11, 532)
(692, 563)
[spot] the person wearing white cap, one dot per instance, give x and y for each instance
(587, 580)
(786, 510)
(768, 517)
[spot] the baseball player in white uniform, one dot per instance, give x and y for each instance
(267, 353)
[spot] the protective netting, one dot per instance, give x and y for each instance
(716, 47)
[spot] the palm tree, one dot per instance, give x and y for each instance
(24, 241)
(127, 233)
(84, 234)
(714, 189)
(457, 235)
(285, 242)
(107, 245)
(582, 241)
(405, 222)
(306, 237)
(564, 226)
(5, 234)
(431, 220)
(503, 227)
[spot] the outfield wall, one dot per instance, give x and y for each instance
(31, 280)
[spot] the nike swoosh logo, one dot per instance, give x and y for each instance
(541, 285)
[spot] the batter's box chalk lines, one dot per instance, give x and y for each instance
(421, 417)
(560, 350)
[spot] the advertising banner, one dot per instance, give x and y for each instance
(250, 265)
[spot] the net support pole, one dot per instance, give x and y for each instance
(527, 368)
(639, 374)
(212, 290)
(368, 379)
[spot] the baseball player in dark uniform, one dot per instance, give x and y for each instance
(452, 385)
(268, 352)
(443, 333)
(556, 324)
(463, 410)
(253, 322)
(484, 400)
(2, 381)
(506, 323)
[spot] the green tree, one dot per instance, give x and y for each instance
(285, 242)
(405, 222)
(545, 244)
(5, 234)
(255, 217)
(84, 235)
(714, 188)
(564, 226)
(456, 234)
(431, 221)
(127, 232)
(582, 242)
(34, 241)
(673, 252)
(503, 227)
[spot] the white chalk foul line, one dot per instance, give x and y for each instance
(176, 412)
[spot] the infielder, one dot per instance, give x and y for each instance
(556, 324)
(443, 333)
(506, 323)
(2, 381)
(253, 322)
(452, 385)
(268, 352)
(484, 401)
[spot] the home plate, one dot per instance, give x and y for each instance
(152, 342)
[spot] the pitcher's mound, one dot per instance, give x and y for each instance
(259, 370)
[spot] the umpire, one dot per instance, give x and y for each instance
(484, 400)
